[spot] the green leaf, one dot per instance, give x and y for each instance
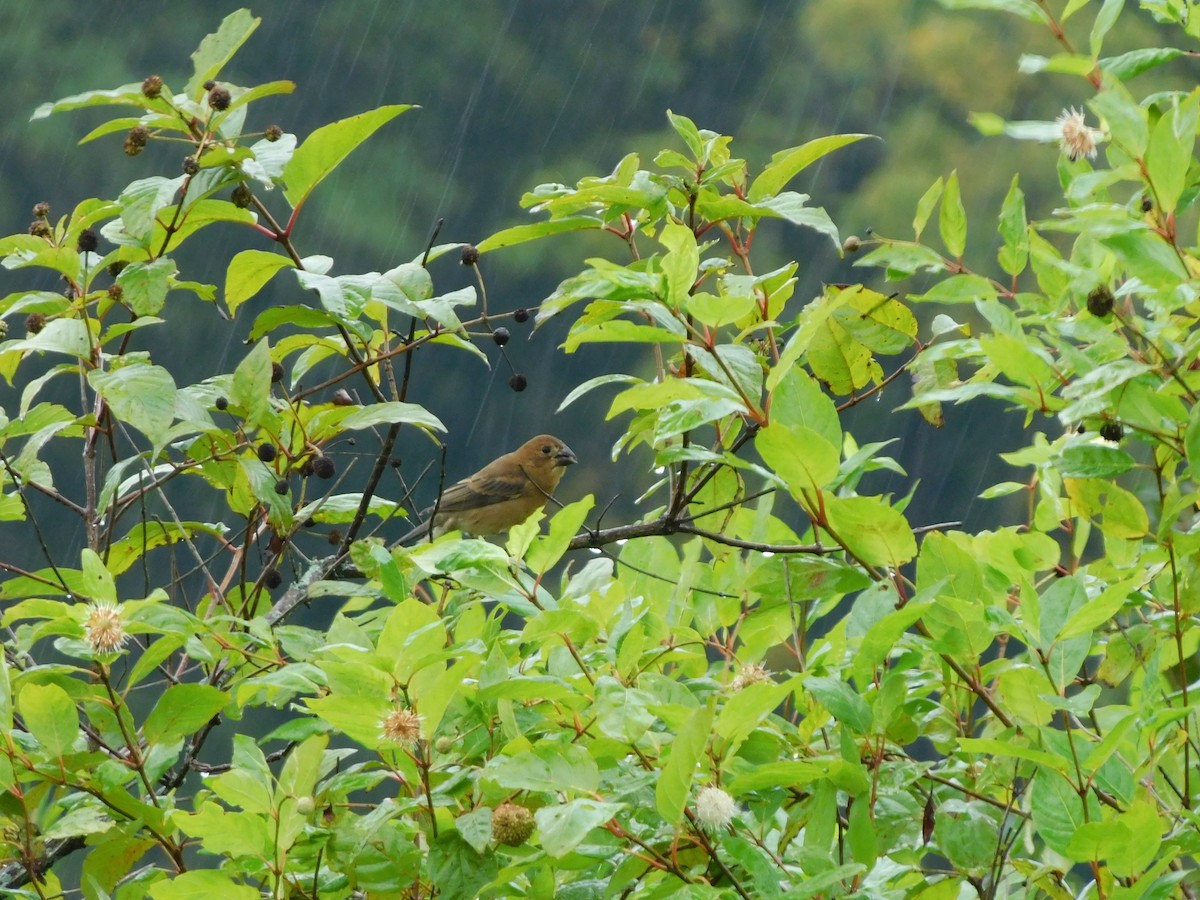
(1003, 748)
(1058, 812)
(717, 310)
(803, 458)
(1057, 604)
(391, 413)
(966, 833)
(861, 832)
(564, 827)
(98, 582)
(1191, 438)
(842, 701)
(1126, 119)
(903, 260)
(881, 324)
(219, 47)
(1135, 62)
(72, 337)
(873, 531)
(791, 206)
(251, 388)
(1105, 19)
(1072, 7)
(548, 549)
(1149, 257)
(787, 164)
(593, 383)
(476, 828)
(1169, 153)
(1014, 230)
(6, 698)
(144, 286)
(140, 395)
(680, 262)
(248, 272)
(183, 709)
(1024, 9)
(50, 716)
(797, 399)
(126, 94)
(1096, 611)
(519, 234)
(547, 767)
(201, 884)
(141, 201)
(952, 220)
(326, 147)
(687, 130)
(678, 773)
(226, 833)
(622, 712)
(787, 773)
(1094, 461)
(754, 704)
(925, 207)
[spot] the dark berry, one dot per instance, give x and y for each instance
(306, 468)
(87, 241)
(323, 467)
(470, 255)
(41, 210)
(518, 382)
(281, 487)
(152, 86)
(520, 315)
(267, 452)
(1147, 204)
(309, 522)
(222, 403)
(40, 228)
(35, 322)
(1112, 431)
(395, 462)
(500, 336)
(115, 292)
(191, 165)
(209, 85)
(136, 140)
(241, 196)
(273, 579)
(273, 133)
(276, 372)
(1100, 302)
(219, 98)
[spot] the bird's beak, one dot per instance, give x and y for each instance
(565, 457)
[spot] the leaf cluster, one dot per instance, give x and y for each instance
(771, 684)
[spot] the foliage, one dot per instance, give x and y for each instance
(771, 685)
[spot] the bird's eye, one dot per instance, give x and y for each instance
(547, 449)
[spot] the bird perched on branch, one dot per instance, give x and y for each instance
(502, 494)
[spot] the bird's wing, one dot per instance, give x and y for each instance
(475, 493)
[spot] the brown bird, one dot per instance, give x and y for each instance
(502, 494)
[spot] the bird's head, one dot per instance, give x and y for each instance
(548, 450)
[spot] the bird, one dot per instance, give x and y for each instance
(502, 494)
